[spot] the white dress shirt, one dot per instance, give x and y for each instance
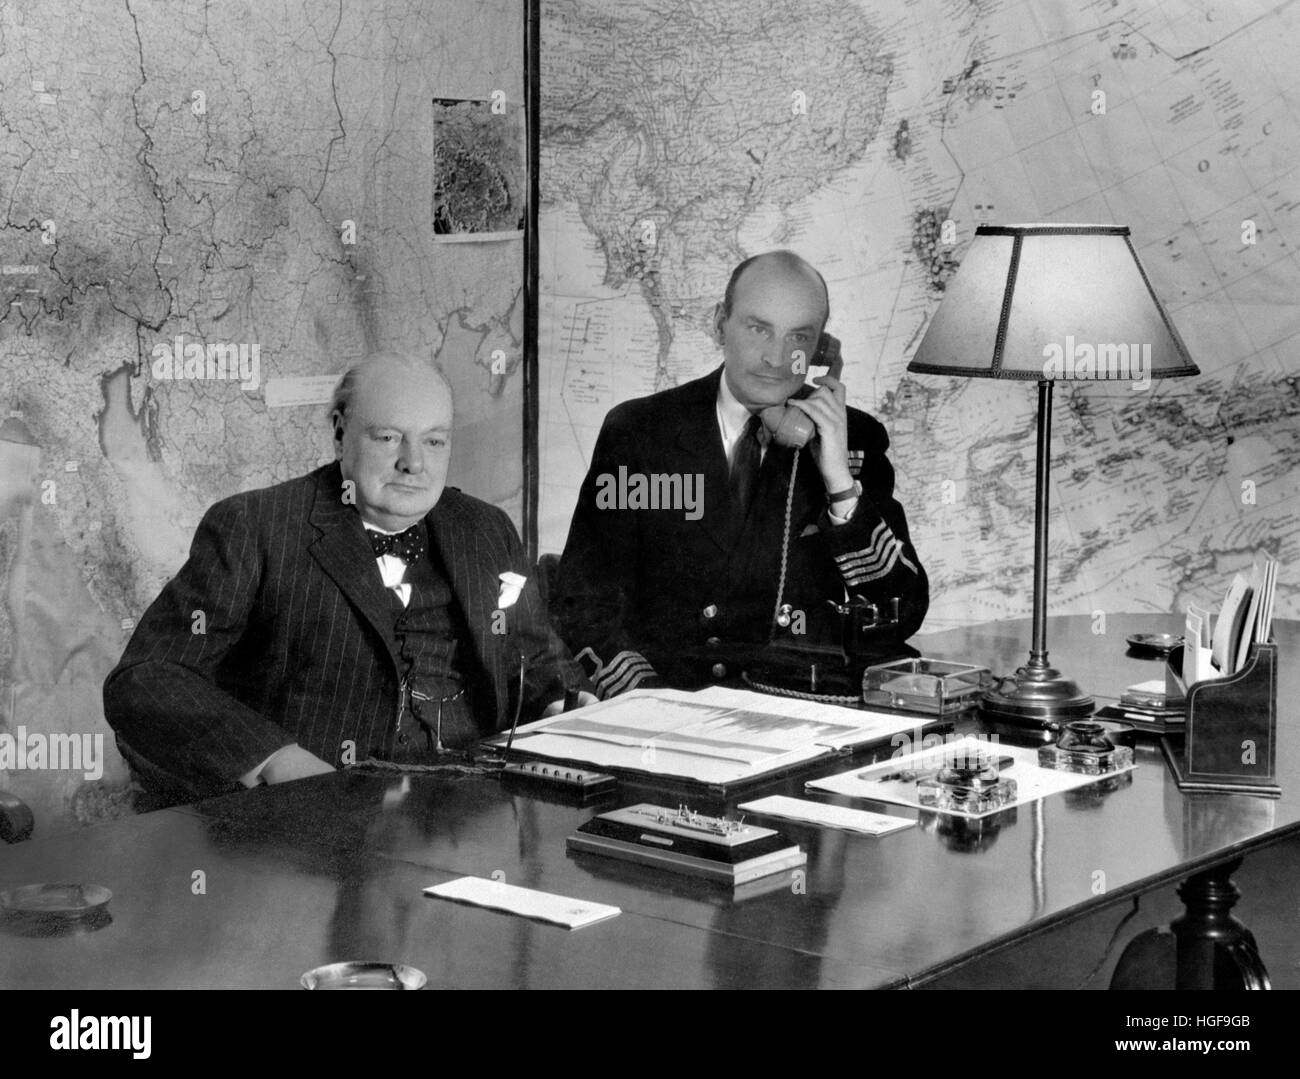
(392, 569)
(732, 417)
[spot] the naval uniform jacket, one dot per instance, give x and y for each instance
(656, 596)
(295, 642)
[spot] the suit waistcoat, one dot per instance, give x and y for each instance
(429, 632)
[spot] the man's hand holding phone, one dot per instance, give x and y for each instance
(827, 407)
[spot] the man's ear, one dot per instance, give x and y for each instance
(336, 421)
(719, 317)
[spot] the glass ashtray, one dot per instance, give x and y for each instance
(935, 686)
(56, 900)
(363, 976)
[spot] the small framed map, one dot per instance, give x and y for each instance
(480, 172)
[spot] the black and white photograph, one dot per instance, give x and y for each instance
(693, 495)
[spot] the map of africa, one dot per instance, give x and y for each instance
(678, 141)
(246, 184)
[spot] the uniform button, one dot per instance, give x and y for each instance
(711, 611)
(719, 670)
(713, 642)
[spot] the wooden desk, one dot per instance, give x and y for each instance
(332, 868)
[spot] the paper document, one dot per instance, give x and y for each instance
(1259, 619)
(881, 782)
(1231, 622)
(801, 809)
(1206, 621)
(543, 906)
(1197, 658)
(714, 736)
(1264, 626)
(299, 390)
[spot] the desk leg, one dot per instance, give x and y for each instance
(1214, 950)
(1207, 948)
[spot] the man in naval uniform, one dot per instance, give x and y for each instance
(687, 594)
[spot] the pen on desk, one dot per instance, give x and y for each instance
(905, 775)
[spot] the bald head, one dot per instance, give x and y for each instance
(391, 416)
(781, 263)
(383, 365)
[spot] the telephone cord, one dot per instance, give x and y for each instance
(785, 544)
(449, 769)
(803, 695)
(825, 698)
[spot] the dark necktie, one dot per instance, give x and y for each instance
(745, 464)
(408, 545)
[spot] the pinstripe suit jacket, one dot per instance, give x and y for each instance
(278, 629)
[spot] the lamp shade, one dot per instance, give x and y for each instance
(1052, 302)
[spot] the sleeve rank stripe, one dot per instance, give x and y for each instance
(863, 576)
(627, 666)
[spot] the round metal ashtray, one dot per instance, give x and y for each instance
(56, 900)
(364, 976)
(1154, 644)
(54, 910)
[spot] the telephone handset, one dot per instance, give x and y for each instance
(791, 426)
(818, 671)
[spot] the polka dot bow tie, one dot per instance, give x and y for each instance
(408, 545)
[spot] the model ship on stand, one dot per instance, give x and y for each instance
(683, 841)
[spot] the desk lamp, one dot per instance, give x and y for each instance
(1041, 303)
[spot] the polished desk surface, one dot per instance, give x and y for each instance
(253, 889)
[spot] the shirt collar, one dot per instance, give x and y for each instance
(732, 415)
(383, 531)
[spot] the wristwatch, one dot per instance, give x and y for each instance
(843, 496)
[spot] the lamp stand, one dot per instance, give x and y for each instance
(1038, 695)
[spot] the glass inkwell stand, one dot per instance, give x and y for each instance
(1085, 747)
(967, 783)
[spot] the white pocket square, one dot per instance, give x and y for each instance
(512, 584)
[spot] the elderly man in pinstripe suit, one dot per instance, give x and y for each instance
(356, 611)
